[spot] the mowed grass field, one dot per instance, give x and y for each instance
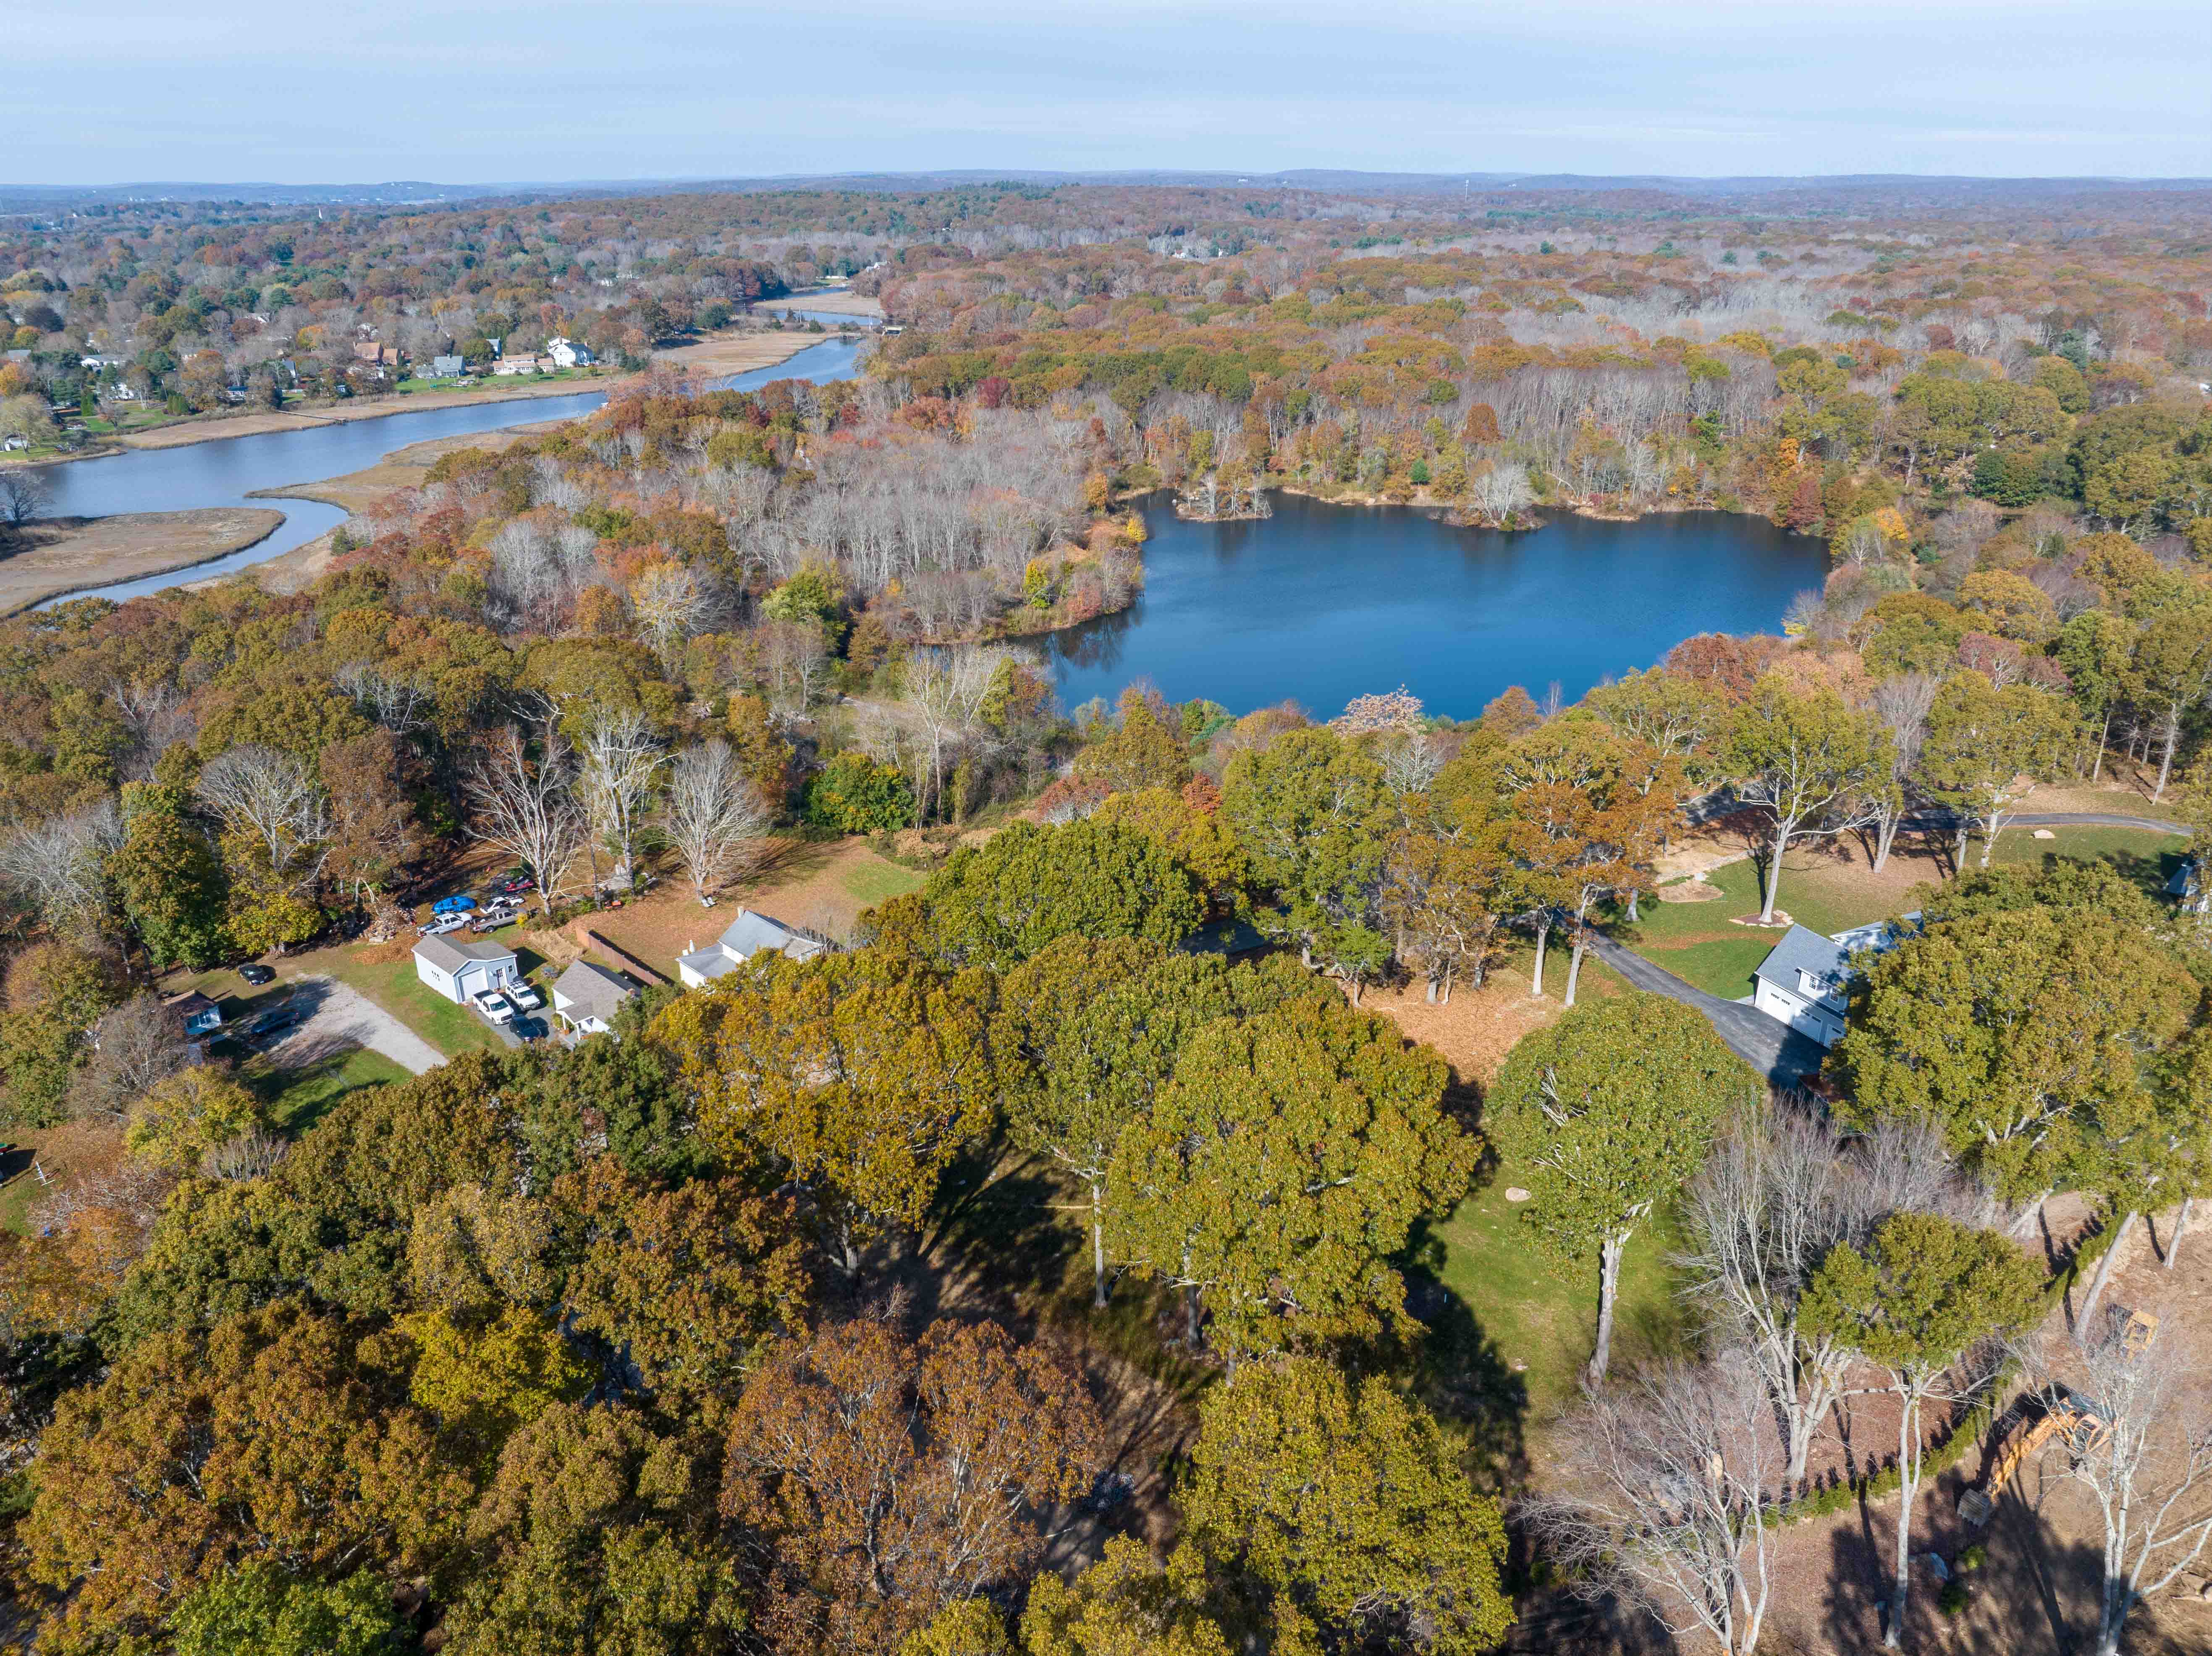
(1541, 1312)
(1830, 888)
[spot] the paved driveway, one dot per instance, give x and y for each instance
(343, 1017)
(1771, 1047)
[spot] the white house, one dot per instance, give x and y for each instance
(746, 937)
(1801, 983)
(1805, 982)
(460, 970)
(566, 353)
(199, 1017)
(586, 997)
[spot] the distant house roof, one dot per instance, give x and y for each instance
(450, 956)
(586, 991)
(1805, 962)
(1880, 936)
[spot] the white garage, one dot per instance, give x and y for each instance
(459, 970)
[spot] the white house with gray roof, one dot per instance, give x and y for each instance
(586, 996)
(1805, 982)
(746, 936)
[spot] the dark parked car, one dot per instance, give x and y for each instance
(276, 1022)
(514, 886)
(257, 974)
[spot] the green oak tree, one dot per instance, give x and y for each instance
(1278, 1172)
(1607, 1114)
(1805, 762)
(1333, 1513)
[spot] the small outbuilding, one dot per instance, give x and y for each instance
(586, 997)
(460, 970)
(745, 937)
(199, 1016)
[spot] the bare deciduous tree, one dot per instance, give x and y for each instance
(135, 1046)
(671, 602)
(2149, 1473)
(1777, 1193)
(1903, 704)
(713, 815)
(1663, 1499)
(58, 868)
(153, 715)
(271, 797)
(620, 760)
(1500, 492)
(22, 497)
(400, 704)
(527, 806)
(944, 694)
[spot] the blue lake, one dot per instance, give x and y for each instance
(224, 473)
(1319, 604)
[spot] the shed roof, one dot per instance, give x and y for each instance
(749, 933)
(449, 956)
(586, 991)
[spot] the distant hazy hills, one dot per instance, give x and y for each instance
(42, 198)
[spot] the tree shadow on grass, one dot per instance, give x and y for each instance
(1458, 1371)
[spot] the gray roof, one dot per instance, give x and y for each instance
(450, 957)
(711, 963)
(749, 933)
(1804, 950)
(586, 991)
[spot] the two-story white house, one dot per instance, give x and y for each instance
(567, 353)
(1805, 982)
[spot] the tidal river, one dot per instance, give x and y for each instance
(226, 472)
(1319, 604)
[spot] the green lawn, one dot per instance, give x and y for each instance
(1696, 940)
(1698, 943)
(15, 1200)
(296, 1099)
(872, 879)
(1541, 1315)
(2149, 857)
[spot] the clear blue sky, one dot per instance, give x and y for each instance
(324, 91)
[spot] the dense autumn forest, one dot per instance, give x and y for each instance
(1065, 1258)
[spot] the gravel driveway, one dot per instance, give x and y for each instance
(342, 1017)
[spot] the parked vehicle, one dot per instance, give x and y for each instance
(493, 1005)
(525, 996)
(257, 974)
(277, 1020)
(514, 886)
(454, 905)
(442, 925)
